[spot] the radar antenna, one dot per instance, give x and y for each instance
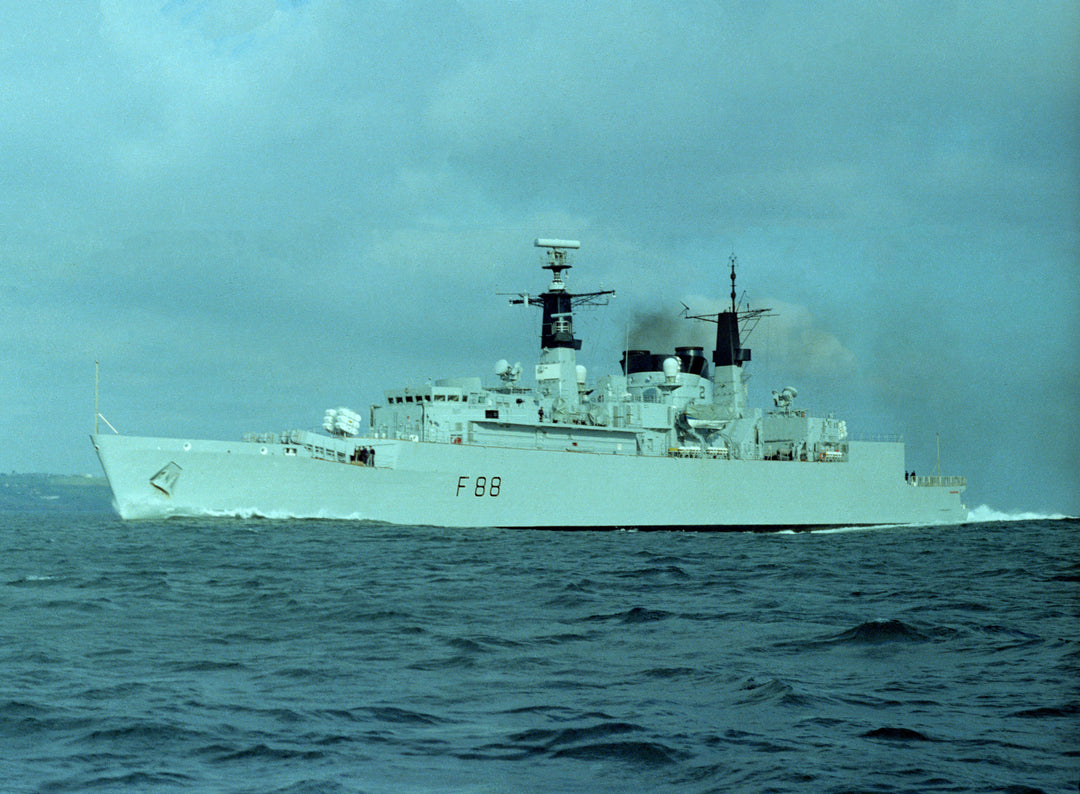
(557, 263)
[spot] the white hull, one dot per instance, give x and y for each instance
(462, 485)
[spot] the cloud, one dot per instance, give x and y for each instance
(762, 114)
(798, 343)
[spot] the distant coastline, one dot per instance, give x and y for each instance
(54, 493)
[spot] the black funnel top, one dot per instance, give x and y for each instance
(729, 350)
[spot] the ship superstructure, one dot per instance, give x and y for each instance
(667, 441)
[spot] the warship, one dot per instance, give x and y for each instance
(668, 442)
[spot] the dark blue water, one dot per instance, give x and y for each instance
(316, 656)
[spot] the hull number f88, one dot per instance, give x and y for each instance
(480, 486)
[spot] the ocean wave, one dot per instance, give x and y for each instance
(400, 715)
(841, 530)
(985, 513)
(607, 740)
(141, 733)
(644, 753)
(34, 580)
(1067, 711)
(632, 615)
(897, 735)
(152, 510)
(129, 781)
(773, 690)
(264, 752)
(880, 630)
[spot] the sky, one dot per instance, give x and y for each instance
(250, 211)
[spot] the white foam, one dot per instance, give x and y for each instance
(987, 513)
(842, 530)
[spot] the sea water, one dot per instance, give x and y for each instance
(322, 656)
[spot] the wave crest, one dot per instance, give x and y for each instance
(881, 630)
(985, 513)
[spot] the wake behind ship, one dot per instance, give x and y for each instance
(667, 442)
